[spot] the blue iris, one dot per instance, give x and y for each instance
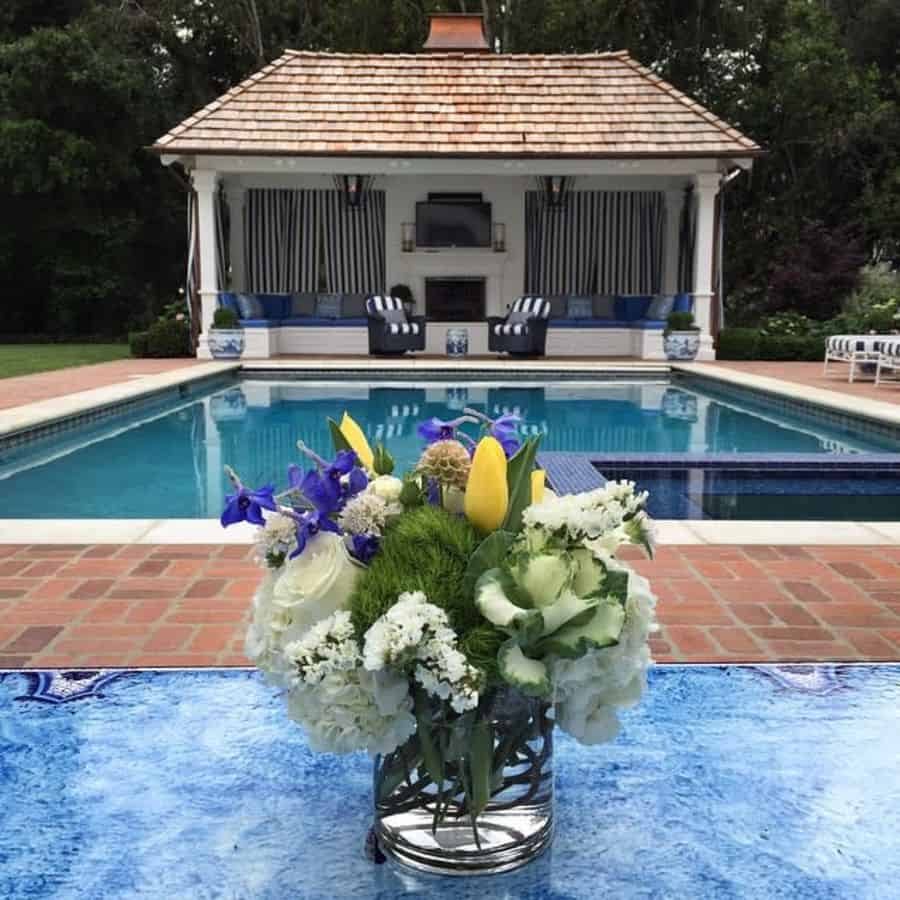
(247, 506)
(364, 546)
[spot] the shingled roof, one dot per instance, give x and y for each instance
(455, 104)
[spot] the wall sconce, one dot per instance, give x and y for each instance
(353, 188)
(408, 237)
(554, 189)
(499, 237)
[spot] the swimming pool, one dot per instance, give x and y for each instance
(165, 459)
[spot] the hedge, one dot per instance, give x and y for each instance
(163, 339)
(749, 343)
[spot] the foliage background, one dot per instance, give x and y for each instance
(92, 235)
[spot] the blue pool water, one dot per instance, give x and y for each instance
(168, 462)
(727, 783)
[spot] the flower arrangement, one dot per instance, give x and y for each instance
(446, 620)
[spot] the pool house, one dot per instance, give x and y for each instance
(472, 178)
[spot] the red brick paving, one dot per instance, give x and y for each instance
(160, 605)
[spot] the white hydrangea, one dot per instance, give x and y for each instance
(388, 487)
(342, 706)
(276, 539)
(596, 515)
(415, 634)
(591, 689)
(367, 513)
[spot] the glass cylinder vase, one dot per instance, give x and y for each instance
(472, 793)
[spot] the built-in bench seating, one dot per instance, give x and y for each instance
(306, 310)
(644, 311)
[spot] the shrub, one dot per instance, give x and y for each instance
(790, 323)
(737, 343)
(791, 348)
(138, 342)
(167, 338)
(402, 292)
(681, 321)
(224, 317)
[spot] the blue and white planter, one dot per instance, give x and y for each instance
(226, 343)
(457, 342)
(681, 346)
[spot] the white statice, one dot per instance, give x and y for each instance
(590, 690)
(342, 706)
(276, 539)
(611, 515)
(415, 635)
(292, 599)
(367, 513)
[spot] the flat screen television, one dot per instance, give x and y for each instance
(453, 224)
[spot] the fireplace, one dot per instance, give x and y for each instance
(454, 299)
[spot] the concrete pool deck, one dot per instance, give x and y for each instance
(175, 593)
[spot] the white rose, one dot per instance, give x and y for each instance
(387, 487)
(314, 585)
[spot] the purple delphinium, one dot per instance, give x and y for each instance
(364, 546)
(324, 487)
(506, 430)
(246, 506)
(434, 429)
(309, 524)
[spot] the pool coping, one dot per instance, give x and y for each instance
(668, 532)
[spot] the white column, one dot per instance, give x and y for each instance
(235, 194)
(674, 201)
(706, 186)
(205, 185)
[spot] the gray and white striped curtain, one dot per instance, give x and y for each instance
(282, 234)
(686, 237)
(193, 262)
(598, 242)
(354, 243)
(221, 210)
(561, 245)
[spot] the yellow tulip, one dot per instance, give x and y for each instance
(538, 482)
(357, 440)
(487, 493)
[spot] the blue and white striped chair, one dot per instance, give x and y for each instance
(861, 351)
(889, 359)
(390, 331)
(524, 330)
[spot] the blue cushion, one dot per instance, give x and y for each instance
(603, 306)
(328, 306)
(660, 307)
(229, 301)
(303, 304)
(250, 306)
(277, 306)
(353, 306)
(321, 322)
(260, 323)
(579, 308)
(683, 303)
(630, 308)
(589, 323)
(648, 324)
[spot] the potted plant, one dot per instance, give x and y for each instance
(403, 293)
(681, 339)
(226, 337)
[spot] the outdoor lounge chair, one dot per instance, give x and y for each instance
(524, 330)
(390, 332)
(888, 358)
(855, 349)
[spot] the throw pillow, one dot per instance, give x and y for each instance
(631, 307)
(353, 306)
(303, 305)
(659, 308)
(558, 306)
(683, 303)
(604, 306)
(394, 316)
(579, 308)
(517, 317)
(250, 307)
(328, 306)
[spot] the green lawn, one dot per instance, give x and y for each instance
(23, 359)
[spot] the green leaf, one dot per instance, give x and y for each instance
(383, 461)
(573, 641)
(530, 676)
(481, 757)
(615, 584)
(425, 729)
(518, 477)
(411, 493)
(491, 553)
(337, 437)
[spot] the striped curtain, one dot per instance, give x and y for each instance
(609, 242)
(686, 237)
(631, 238)
(354, 243)
(561, 249)
(220, 207)
(282, 234)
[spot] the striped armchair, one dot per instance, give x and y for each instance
(390, 332)
(524, 330)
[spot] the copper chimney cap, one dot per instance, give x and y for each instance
(456, 32)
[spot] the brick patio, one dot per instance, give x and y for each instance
(154, 605)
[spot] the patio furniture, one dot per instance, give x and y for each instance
(888, 359)
(524, 330)
(390, 331)
(855, 349)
